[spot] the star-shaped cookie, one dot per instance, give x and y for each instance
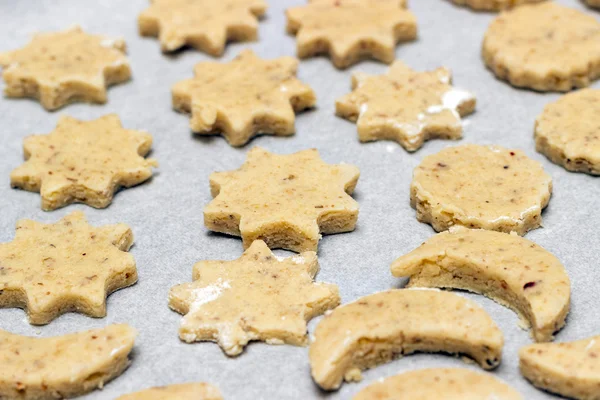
(206, 25)
(51, 269)
(259, 296)
(406, 106)
(350, 30)
(244, 97)
(285, 200)
(63, 67)
(83, 161)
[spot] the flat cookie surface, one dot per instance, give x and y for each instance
(284, 200)
(257, 297)
(84, 162)
(205, 25)
(545, 47)
(350, 30)
(50, 269)
(63, 67)
(493, 5)
(62, 366)
(183, 391)
(508, 195)
(244, 97)
(568, 131)
(376, 328)
(406, 106)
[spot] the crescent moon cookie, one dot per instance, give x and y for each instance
(377, 328)
(244, 97)
(51, 269)
(487, 187)
(206, 25)
(571, 369)
(492, 5)
(568, 131)
(183, 391)
(351, 30)
(427, 384)
(544, 46)
(62, 366)
(509, 269)
(83, 162)
(257, 297)
(285, 200)
(63, 67)
(406, 106)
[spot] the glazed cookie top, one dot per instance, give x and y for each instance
(183, 391)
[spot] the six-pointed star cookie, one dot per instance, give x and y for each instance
(244, 97)
(62, 67)
(493, 5)
(257, 297)
(205, 25)
(83, 161)
(406, 106)
(285, 200)
(350, 30)
(50, 269)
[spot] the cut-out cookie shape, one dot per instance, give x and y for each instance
(437, 383)
(545, 47)
(63, 67)
(350, 30)
(51, 269)
(493, 5)
(406, 106)
(62, 366)
(474, 186)
(244, 97)
(509, 269)
(377, 328)
(571, 369)
(568, 131)
(83, 162)
(206, 25)
(183, 391)
(257, 297)
(285, 200)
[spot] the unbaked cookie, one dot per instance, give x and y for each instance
(182, 391)
(544, 47)
(568, 131)
(493, 5)
(487, 187)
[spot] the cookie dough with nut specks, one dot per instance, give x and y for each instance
(493, 5)
(183, 391)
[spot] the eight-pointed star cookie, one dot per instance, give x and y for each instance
(50, 269)
(63, 67)
(285, 200)
(83, 161)
(244, 97)
(406, 106)
(259, 296)
(350, 30)
(205, 25)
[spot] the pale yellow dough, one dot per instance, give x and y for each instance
(493, 5)
(183, 391)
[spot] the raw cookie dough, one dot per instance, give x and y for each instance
(351, 30)
(377, 328)
(568, 131)
(51, 269)
(83, 162)
(570, 369)
(509, 269)
(406, 106)
(64, 67)
(285, 200)
(206, 25)
(183, 391)
(487, 187)
(62, 366)
(244, 97)
(544, 46)
(493, 5)
(438, 383)
(259, 296)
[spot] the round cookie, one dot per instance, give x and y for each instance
(568, 131)
(545, 47)
(493, 5)
(486, 187)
